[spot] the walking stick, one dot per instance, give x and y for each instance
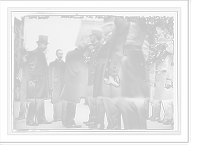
(35, 103)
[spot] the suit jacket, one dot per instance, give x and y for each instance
(22, 79)
(56, 79)
(72, 78)
(99, 87)
(129, 51)
(164, 75)
(37, 71)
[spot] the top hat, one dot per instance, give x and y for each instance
(162, 41)
(43, 39)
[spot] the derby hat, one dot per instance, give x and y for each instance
(42, 39)
(162, 41)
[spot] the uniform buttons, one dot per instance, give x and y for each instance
(115, 63)
(114, 67)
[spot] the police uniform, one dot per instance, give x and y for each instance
(101, 90)
(163, 77)
(128, 64)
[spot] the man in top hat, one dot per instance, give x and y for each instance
(22, 79)
(95, 38)
(56, 80)
(71, 92)
(163, 80)
(37, 83)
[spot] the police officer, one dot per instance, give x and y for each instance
(127, 70)
(101, 90)
(163, 80)
(95, 37)
(151, 69)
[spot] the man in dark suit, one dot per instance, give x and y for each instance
(37, 83)
(126, 70)
(22, 79)
(95, 37)
(101, 90)
(56, 81)
(163, 80)
(71, 92)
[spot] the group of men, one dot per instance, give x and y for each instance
(116, 71)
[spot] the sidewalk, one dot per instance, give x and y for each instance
(82, 113)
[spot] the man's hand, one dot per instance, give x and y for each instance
(167, 86)
(112, 80)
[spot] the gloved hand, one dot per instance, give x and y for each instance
(112, 80)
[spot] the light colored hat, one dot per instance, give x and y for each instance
(162, 41)
(43, 39)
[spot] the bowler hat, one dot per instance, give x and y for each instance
(162, 41)
(43, 39)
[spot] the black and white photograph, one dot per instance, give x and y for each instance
(95, 70)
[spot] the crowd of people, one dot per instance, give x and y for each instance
(117, 71)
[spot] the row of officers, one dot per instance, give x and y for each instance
(117, 73)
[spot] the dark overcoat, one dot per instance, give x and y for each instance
(128, 55)
(91, 70)
(100, 88)
(37, 72)
(56, 79)
(72, 78)
(22, 79)
(163, 76)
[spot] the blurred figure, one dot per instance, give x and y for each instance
(56, 82)
(71, 92)
(127, 71)
(37, 83)
(22, 76)
(95, 37)
(152, 72)
(163, 80)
